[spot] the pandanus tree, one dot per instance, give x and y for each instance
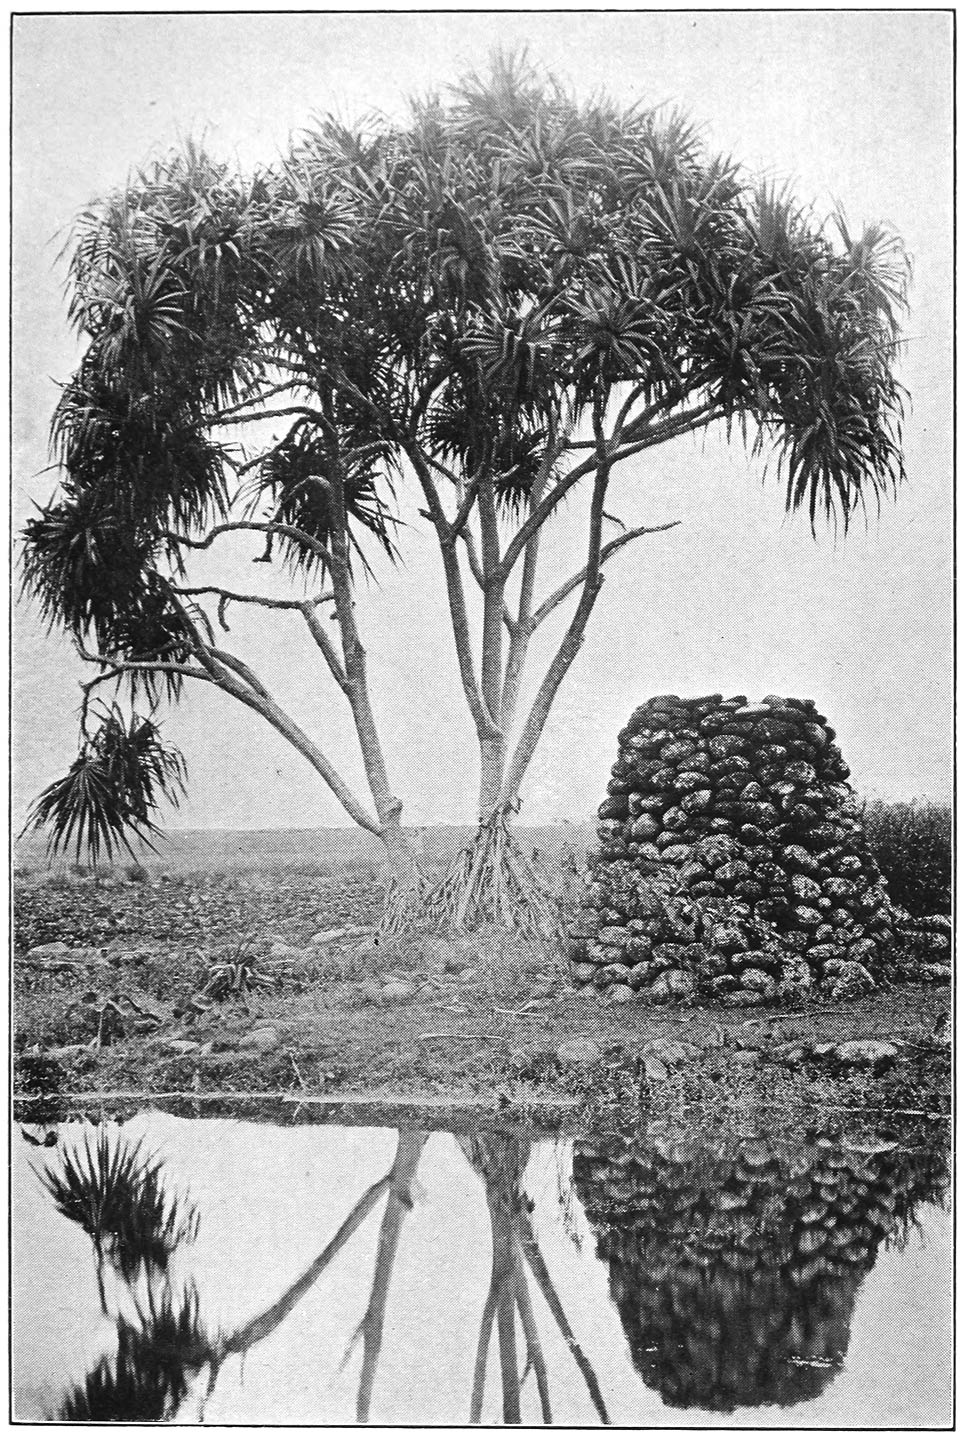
(495, 304)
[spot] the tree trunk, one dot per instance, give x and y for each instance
(401, 857)
(492, 753)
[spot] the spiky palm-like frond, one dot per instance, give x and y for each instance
(148, 1378)
(112, 790)
(146, 453)
(93, 576)
(114, 1190)
(298, 479)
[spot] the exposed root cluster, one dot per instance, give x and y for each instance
(488, 883)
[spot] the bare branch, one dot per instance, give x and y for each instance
(521, 631)
(609, 549)
(493, 597)
(544, 509)
(276, 717)
(117, 666)
(638, 437)
(467, 500)
(573, 638)
(252, 400)
(262, 527)
(624, 410)
(239, 668)
(246, 599)
(485, 725)
(673, 428)
(227, 672)
(324, 643)
(307, 411)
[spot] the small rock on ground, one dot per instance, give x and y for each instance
(265, 1038)
(875, 1054)
(396, 992)
(580, 1050)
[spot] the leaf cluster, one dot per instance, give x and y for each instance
(148, 1377)
(115, 1192)
(112, 788)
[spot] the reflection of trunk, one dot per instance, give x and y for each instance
(500, 1160)
(534, 1355)
(544, 1280)
(410, 1147)
(482, 1354)
(503, 1282)
(263, 1325)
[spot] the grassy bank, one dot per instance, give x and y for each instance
(246, 982)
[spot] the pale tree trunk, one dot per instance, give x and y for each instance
(387, 805)
(235, 678)
(493, 754)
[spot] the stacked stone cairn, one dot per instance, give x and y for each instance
(734, 1264)
(732, 864)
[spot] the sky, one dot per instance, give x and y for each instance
(852, 108)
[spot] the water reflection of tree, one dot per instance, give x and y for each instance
(149, 1377)
(112, 1188)
(397, 1184)
(500, 1160)
(116, 1193)
(734, 1265)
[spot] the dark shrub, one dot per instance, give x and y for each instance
(911, 843)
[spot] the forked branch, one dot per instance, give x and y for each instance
(607, 551)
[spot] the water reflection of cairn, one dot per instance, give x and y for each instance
(734, 1266)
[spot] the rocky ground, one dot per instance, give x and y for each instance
(266, 983)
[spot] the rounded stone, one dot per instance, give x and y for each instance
(672, 985)
(264, 1038)
(696, 801)
(874, 1055)
(851, 982)
(676, 750)
(397, 992)
(613, 935)
(759, 981)
(804, 888)
(579, 1050)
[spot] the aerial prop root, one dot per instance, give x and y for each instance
(490, 882)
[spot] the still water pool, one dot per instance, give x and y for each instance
(237, 1272)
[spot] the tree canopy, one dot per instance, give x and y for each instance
(503, 297)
